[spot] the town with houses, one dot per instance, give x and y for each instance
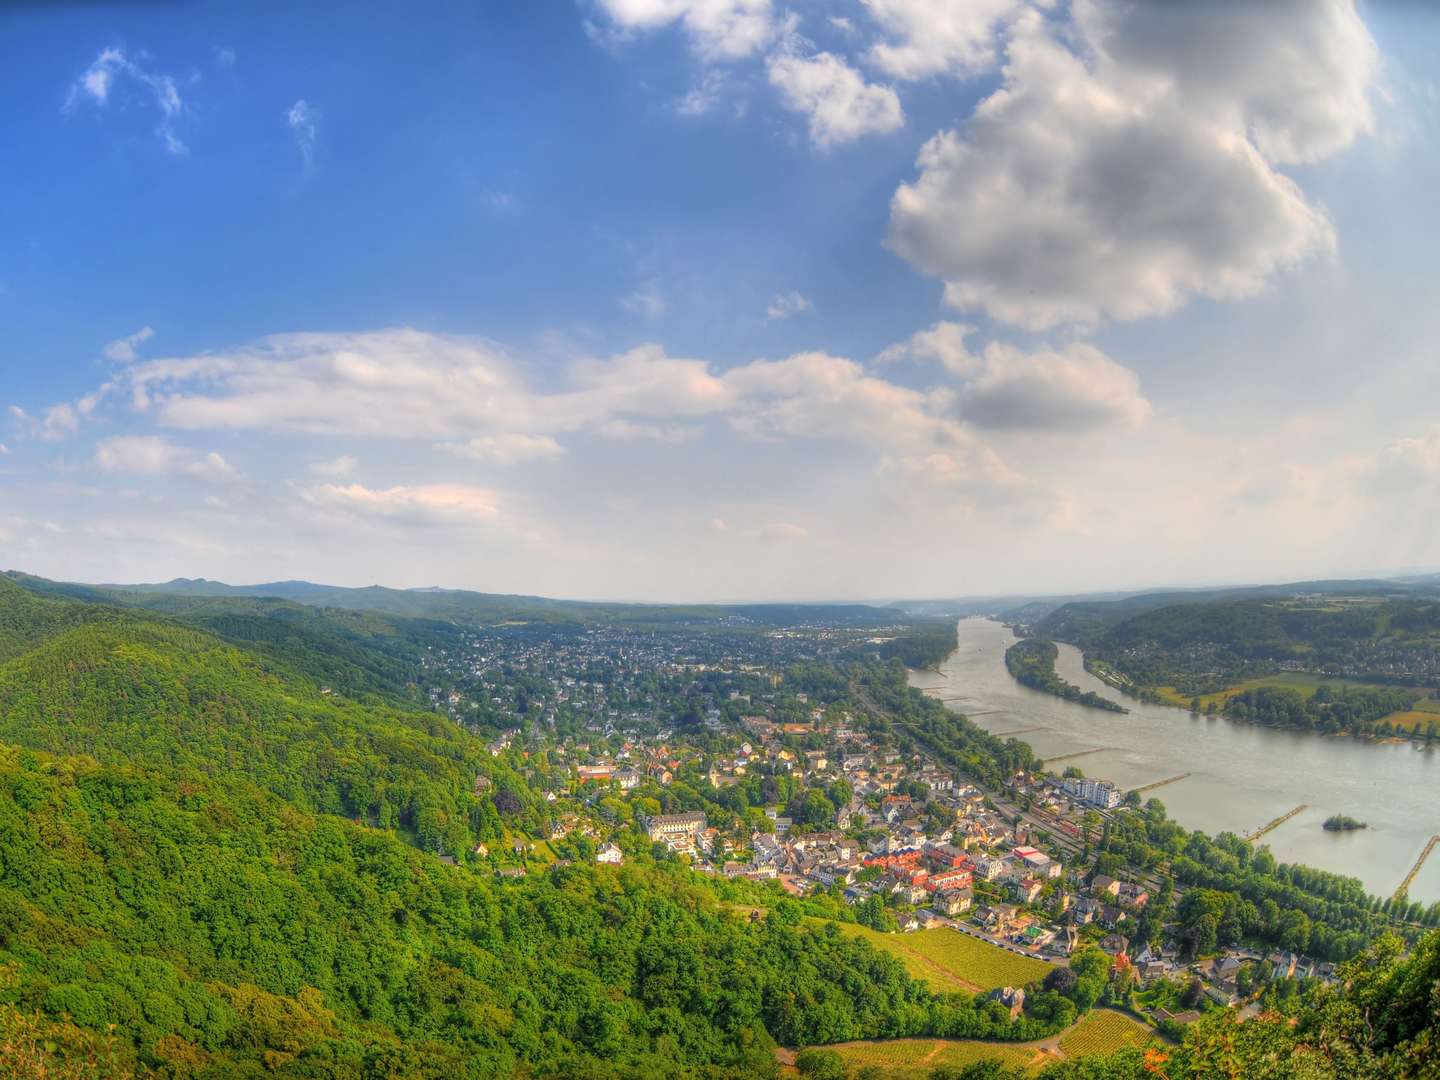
(906, 843)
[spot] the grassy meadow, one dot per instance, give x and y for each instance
(1103, 1032)
(950, 960)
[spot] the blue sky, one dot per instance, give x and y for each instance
(719, 299)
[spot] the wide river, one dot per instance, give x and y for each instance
(1241, 775)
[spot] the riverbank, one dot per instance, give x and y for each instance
(1236, 776)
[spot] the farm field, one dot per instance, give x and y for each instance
(950, 960)
(1102, 1032)
(912, 1059)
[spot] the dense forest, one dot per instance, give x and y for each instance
(1326, 710)
(1203, 647)
(1189, 650)
(1031, 662)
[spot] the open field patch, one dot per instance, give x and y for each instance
(1103, 1032)
(912, 1059)
(950, 960)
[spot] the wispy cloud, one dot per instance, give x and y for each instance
(513, 448)
(646, 301)
(152, 455)
(113, 69)
(303, 119)
(786, 304)
(57, 422)
(123, 349)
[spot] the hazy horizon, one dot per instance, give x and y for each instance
(1399, 574)
(649, 299)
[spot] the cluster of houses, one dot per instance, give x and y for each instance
(935, 849)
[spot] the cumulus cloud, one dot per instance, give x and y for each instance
(818, 396)
(466, 397)
(943, 343)
(422, 505)
(718, 29)
(925, 38)
(507, 449)
(303, 121)
(1295, 74)
(407, 384)
(151, 455)
(123, 350)
(1120, 177)
(396, 383)
(1074, 389)
(112, 71)
(786, 304)
(840, 104)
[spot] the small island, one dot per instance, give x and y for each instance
(1341, 823)
(1032, 662)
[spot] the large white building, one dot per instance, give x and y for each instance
(1099, 793)
(666, 827)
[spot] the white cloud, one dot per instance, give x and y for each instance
(303, 119)
(1074, 389)
(786, 304)
(58, 422)
(507, 449)
(151, 455)
(944, 343)
(840, 104)
(122, 350)
(394, 383)
(817, 396)
(112, 69)
(1296, 74)
(1405, 465)
(646, 301)
(938, 37)
(718, 29)
(704, 96)
(422, 505)
(1121, 177)
(343, 465)
(466, 397)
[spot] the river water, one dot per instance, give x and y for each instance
(1241, 775)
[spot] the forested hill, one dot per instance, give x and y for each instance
(475, 608)
(1206, 646)
(246, 876)
(1082, 620)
